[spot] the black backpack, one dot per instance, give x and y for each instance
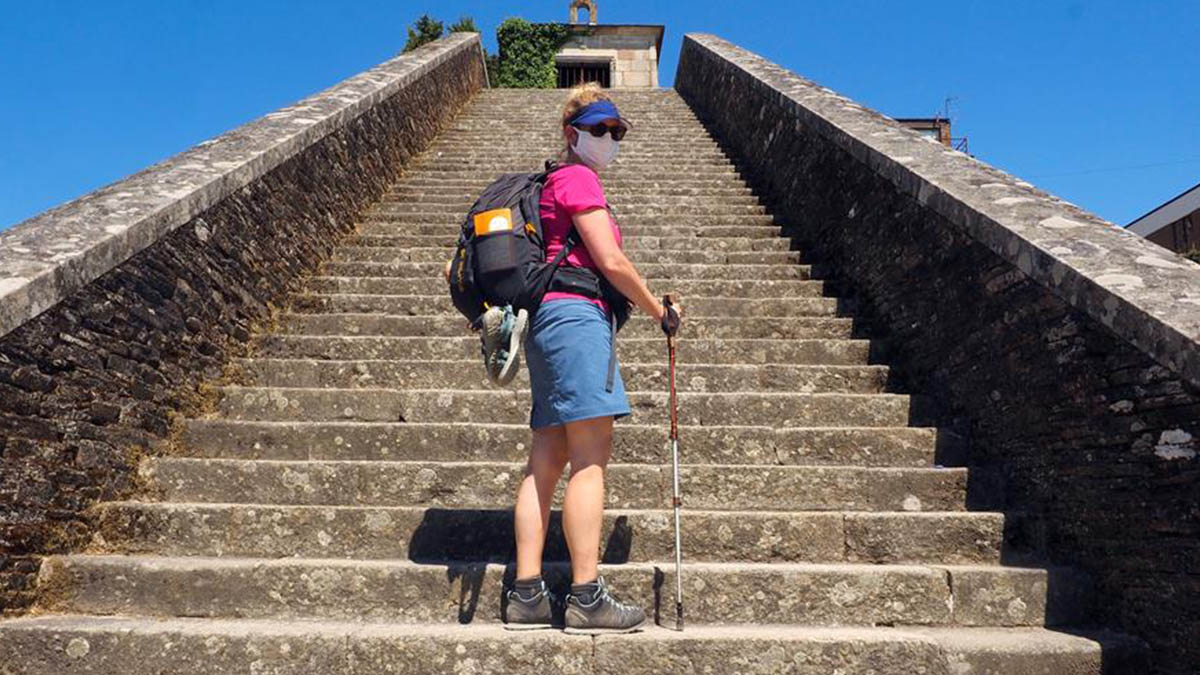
(500, 258)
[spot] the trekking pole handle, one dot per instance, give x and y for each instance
(670, 320)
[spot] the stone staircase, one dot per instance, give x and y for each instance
(348, 507)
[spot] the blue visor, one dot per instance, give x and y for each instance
(596, 112)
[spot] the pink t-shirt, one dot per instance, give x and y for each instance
(568, 191)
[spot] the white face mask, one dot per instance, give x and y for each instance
(596, 152)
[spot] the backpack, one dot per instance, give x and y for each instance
(500, 258)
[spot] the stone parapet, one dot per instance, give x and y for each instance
(1060, 350)
(114, 307)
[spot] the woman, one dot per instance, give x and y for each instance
(567, 353)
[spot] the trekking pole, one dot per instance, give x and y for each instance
(670, 325)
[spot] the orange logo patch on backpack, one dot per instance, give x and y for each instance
(490, 222)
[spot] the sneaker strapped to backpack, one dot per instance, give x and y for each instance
(500, 264)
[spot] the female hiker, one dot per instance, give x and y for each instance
(567, 352)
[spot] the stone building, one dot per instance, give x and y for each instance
(1175, 224)
(615, 55)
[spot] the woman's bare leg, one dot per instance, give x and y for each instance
(589, 446)
(531, 516)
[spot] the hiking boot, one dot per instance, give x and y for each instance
(527, 608)
(592, 610)
(503, 332)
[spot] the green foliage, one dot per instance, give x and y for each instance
(465, 24)
(426, 29)
(527, 53)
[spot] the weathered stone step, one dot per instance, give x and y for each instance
(729, 288)
(699, 219)
(545, 144)
(788, 409)
(626, 174)
(385, 226)
(714, 208)
(487, 485)
(463, 198)
(663, 127)
(612, 185)
(391, 225)
(682, 271)
(643, 256)
(532, 161)
(639, 325)
(53, 645)
(661, 231)
(629, 349)
(450, 239)
(468, 374)
(468, 191)
(535, 156)
(435, 534)
(633, 442)
(404, 591)
(725, 174)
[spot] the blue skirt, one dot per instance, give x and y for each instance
(567, 351)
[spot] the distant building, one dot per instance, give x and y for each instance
(937, 128)
(615, 55)
(1175, 224)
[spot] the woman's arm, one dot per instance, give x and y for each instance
(596, 232)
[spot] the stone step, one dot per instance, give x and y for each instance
(377, 230)
(682, 271)
(488, 485)
(612, 184)
(449, 240)
(633, 350)
(725, 174)
(722, 175)
(463, 198)
(639, 325)
(52, 645)
(535, 155)
(632, 442)
(528, 160)
(465, 375)
(511, 406)
(469, 190)
(698, 220)
(440, 304)
(638, 256)
(408, 592)
(728, 288)
(396, 236)
(663, 127)
(550, 130)
(435, 534)
(547, 143)
(634, 210)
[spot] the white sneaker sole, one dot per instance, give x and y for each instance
(526, 626)
(493, 320)
(604, 631)
(515, 341)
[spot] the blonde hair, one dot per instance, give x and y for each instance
(579, 96)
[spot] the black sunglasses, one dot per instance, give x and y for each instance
(598, 130)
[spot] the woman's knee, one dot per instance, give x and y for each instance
(589, 443)
(549, 452)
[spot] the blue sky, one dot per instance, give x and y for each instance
(1098, 102)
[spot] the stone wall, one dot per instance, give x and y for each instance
(116, 306)
(1059, 348)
